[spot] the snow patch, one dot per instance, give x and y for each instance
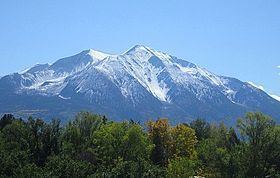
(275, 97)
(25, 70)
(64, 98)
(257, 86)
(98, 54)
(263, 89)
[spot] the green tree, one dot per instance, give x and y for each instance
(64, 166)
(232, 139)
(159, 134)
(122, 149)
(183, 142)
(181, 167)
(76, 135)
(215, 153)
(201, 127)
(260, 133)
(6, 120)
(35, 138)
(14, 148)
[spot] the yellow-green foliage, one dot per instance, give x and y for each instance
(171, 142)
(183, 141)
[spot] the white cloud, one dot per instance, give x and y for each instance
(257, 86)
(278, 66)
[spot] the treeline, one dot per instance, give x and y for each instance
(92, 146)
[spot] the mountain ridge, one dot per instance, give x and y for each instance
(140, 83)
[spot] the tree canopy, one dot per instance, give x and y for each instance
(93, 146)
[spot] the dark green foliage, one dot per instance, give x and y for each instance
(232, 139)
(262, 138)
(92, 146)
(202, 128)
(5, 120)
(76, 135)
(65, 166)
(24, 147)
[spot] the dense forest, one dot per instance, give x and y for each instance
(93, 146)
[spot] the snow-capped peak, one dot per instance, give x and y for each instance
(156, 71)
(137, 48)
(139, 52)
(144, 53)
(97, 54)
(141, 80)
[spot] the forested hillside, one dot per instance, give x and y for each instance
(93, 146)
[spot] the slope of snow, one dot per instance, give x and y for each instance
(51, 79)
(146, 65)
(135, 64)
(155, 71)
(98, 54)
(140, 63)
(140, 83)
(141, 67)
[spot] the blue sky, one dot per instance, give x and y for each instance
(234, 38)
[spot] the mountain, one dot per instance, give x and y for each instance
(140, 84)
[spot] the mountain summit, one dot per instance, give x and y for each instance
(140, 84)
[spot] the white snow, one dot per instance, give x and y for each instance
(257, 86)
(64, 98)
(135, 63)
(142, 66)
(263, 89)
(146, 73)
(25, 70)
(98, 54)
(275, 97)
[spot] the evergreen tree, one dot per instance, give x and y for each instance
(202, 128)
